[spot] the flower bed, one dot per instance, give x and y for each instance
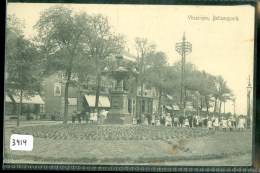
(111, 132)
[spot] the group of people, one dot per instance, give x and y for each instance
(90, 117)
(210, 122)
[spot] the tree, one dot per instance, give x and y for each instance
(189, 79)
(101, 44)
(61, 39)
(23, 64)
(157, 73)
(221, 91)
(203, 83)
(143, 48)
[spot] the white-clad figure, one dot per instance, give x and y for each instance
(105, 114)
(91, 117)
(95, 115)
(241, 123)
(157, 121)
(224, 123)
(216, 123)
(197, 120)
(186, 122)
(146, 121)
(153, 120)
(209, 123)
(168, 120)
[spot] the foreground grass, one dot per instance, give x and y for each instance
(153, 145)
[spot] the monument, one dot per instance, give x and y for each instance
(118, 113)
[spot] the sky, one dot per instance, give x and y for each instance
(219, 47)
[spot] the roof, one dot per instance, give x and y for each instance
(128, 56)
(72, 101)
(168, 107)
(103, 101)
(190, 108)
(204, 109)
(169, 96)
(176, 107)
(31, 100)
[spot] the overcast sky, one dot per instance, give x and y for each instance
(218, 47)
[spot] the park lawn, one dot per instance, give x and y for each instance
(234, 147)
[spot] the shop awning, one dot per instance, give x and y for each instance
(176, 107)
(169, 97)
(190, 108)
(72, 101)
(168, 107)
(32, 100)
(103, 101)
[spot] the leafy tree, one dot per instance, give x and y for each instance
(23, 64)
(101, 44)
(189, 79)
(221, 92)
(157, 73)
(143, 49)
(60, 39)
(203, 83)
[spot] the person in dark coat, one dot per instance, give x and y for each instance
(87, 116)
(73, 117)
(190, 121)
(181, 119)
(79, 116)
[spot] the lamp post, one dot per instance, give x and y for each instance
(249, 89)
(234, 105)
(135, 73)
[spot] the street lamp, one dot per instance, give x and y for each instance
(234, 104)
(135, 73)
(249, 89)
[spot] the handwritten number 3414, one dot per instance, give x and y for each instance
(19, 142)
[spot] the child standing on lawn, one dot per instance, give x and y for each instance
(216, 123)
(224, 124)
(209, 123)
(241, 123)
(186, 122)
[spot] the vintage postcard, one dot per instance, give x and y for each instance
(121, 84)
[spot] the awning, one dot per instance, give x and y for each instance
(168, 107)
(32, 100)
(176, 107)
(103, 101)
(169, 97)
(72, 101)
(190, 108)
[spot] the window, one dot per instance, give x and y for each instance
(57, 89)
(42, 108)
(72, 101)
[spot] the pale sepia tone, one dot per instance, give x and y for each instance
(222, 39)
